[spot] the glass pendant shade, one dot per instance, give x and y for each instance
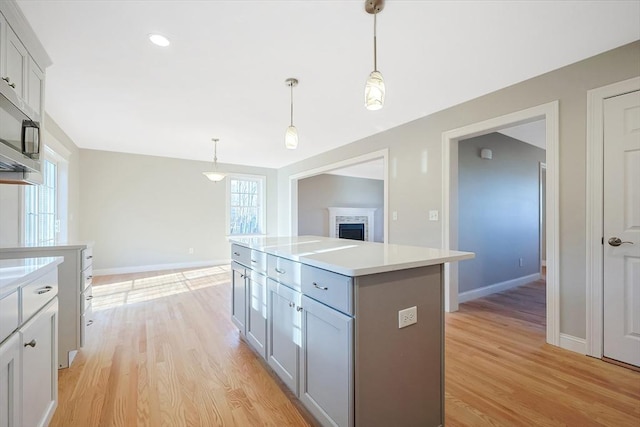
(291, 138)
(214, 176)
(374, 91)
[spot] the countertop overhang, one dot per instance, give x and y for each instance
(17, 272)
(351, 257)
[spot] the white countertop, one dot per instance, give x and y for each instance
(17, 272)
(351, 257)
(52, 247)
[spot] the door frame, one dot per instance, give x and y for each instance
(595, 194)
(293, 185)
(550, 113)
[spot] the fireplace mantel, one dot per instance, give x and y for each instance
(341, 215)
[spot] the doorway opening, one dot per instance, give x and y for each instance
(450, 231)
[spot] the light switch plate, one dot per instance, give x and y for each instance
(433, 215)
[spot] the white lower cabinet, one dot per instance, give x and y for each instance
(10, 370)
(326, 375)
(284, 333)
(256, 286)
(238, 297)
(39, 348)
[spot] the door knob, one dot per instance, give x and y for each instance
(615, 241)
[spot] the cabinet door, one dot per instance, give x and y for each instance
(16, 66)
(40, 366)
(284, 333)
(10, 382)
(326, 382)
(35, 87)
(257, 312)
(238, 297)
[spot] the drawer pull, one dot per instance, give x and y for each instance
(6, 79)
(322, 288)
(89, 298)
(254, 261)
(298, 308)
(90, 322)
(44, 290)
(292, 304)
(31, 343)
(280, 271)
(90, 256)
(236, 253)
(89, 277)
(13, 85)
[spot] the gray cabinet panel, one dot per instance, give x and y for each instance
(257, 313)
(238, 297)
(285, 333)
(327, 364)
(332, 289)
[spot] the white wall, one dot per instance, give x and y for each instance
(145, 212)
(415, 187)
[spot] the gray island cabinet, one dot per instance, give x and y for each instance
(324, 314)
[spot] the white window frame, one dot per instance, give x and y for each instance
(262, 180)
(55, 152)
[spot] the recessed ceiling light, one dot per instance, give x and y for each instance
(159, 40)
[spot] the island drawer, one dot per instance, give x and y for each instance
(241, 254)
(87, 278)
(332, 289)
(85, 298)
(38, 293)
(9, 314)
(258, 261)
(86, 320)
(285, 271)
(87, 258)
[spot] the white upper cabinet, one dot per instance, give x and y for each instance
(35, 86)
(17, 61)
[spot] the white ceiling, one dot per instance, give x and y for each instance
(223, 75)
(533, 133)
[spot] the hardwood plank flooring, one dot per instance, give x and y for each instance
(163, 352)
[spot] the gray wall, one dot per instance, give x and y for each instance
(317, 193)
(11, 195)
(498, 210)
(413, 191)
(148, 211)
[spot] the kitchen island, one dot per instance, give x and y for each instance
(354, 329)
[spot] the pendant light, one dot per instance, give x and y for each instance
(291, 135)
(374, 89)
(215, 176)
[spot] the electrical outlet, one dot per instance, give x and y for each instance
(433, 215)
(407, 317)
(395, 215)
(191, 250)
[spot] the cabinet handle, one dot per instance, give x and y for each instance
(280, 271)
(242, 276)
(322, 288)
(298, 308)
(90, 322)
(89, 298)
(6, 79)
(12, 85)
(254, 261)
(236, 253)
(89, 277)
(90, 256)
(31, 343)
(44, 290)
(292, 304)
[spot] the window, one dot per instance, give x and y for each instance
(245, 201)
(41, 208)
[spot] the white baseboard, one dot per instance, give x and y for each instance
(497, 287)
(571, 343)
(158, 267)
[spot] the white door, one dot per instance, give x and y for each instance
(622, 228)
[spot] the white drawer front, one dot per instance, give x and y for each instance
(87, 258)
(332, 289)
(241, 254)
(86, 320)
(87, 278)
(9, 314)
(38, 293)
(85, 298)
(258, 261)
(285, 271)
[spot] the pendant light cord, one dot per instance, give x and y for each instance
(375, 47)
(291, 86)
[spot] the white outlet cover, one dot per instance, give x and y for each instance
(407, 317)
(433, 215)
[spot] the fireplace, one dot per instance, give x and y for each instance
(361, 218)
(351, 231)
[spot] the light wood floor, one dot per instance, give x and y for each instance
(163, 351)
